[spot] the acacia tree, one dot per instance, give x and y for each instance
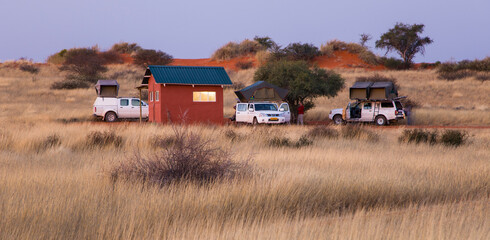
(304, 84)
(83, 64)
(405, 40)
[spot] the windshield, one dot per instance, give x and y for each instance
(265, 107)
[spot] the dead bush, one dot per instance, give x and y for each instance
(280, 142)
(47, 143)
(70, 84)
(30, 68)
(418, 136)
(303, 141)
(190, 158)
(111, 57)
(97, 139)
(162, 141)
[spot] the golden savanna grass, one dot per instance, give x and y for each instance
(332, 189)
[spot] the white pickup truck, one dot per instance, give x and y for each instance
(112, 108)
(381, 112)
(262, 112)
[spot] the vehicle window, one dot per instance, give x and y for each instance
(367, 106)
(265, 107)
(135, 102)
(143, 103)
(286, 107)
(398, 105)
(386, 105)
(242, 107)
(124, 102)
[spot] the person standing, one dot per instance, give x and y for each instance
(301, 112)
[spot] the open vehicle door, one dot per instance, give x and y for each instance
(241, 112)
(284, 108)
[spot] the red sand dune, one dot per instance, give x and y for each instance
(342, 59)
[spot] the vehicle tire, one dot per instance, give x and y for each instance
(337, 119)
(380, 120)
(255, 122)
(110, 117)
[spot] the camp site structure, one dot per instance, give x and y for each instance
(185, 94)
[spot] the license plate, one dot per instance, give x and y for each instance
(273, 119)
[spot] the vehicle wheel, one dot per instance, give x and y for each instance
(255, 122)
(110, 117)
(380, 120)
(337, 119)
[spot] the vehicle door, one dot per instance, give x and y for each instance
(135, 108)
(284, 108)
(347, 112)
(250, 113)
(367, 114)
(241, 112)
(124, 110)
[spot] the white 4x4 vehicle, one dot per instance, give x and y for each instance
(112, 108)
(262, 112)
(381, 112)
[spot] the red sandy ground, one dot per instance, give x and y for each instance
(342, 59)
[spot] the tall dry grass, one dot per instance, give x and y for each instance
(55, 181)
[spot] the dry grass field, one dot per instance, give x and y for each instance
(55, 184)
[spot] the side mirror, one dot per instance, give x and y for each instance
(250, 109)
(281, 110)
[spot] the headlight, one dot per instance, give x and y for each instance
(262, 115)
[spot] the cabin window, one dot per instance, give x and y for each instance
(157, 96)
(204, 96)
(151, 96)
(124, 102)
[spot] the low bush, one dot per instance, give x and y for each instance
(358, 132)
(244, 65)
(232, 50)
(49, 142)
(280, 142)
(454, 138)
(30, 68)
(83, 64)
(300, 51)
(190, 158)
(392, 63)
(111, 57)
(303, 141)
(464, 69)
(97, 139)
(70, 84)
(57, 58)
(323, 132)
(125, 48)
(363, 52)
(145, 57)
(126, 74)
(418, 136)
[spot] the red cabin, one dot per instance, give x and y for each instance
(181, 94)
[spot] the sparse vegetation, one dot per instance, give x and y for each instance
(358, 132)
(450, 137)
(233, 50)
(335, 45)
(480, 69)
(323, 132)
(30, 68)
(244, 65)
(98, 139)
(125, 48)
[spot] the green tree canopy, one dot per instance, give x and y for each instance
(83, 64)
(405, 40)
(304, 83)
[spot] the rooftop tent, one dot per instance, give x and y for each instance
(262, 91)
(382, 90)
(360, 90)
(107, 88)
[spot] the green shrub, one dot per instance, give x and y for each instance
(393, 63)
(454, 138)
(232, 50)
(145, 57)
(300, 51)
(57, 58)
(83, 64)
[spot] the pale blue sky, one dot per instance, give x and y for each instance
(194, 29)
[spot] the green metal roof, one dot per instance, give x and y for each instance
(190, 75)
